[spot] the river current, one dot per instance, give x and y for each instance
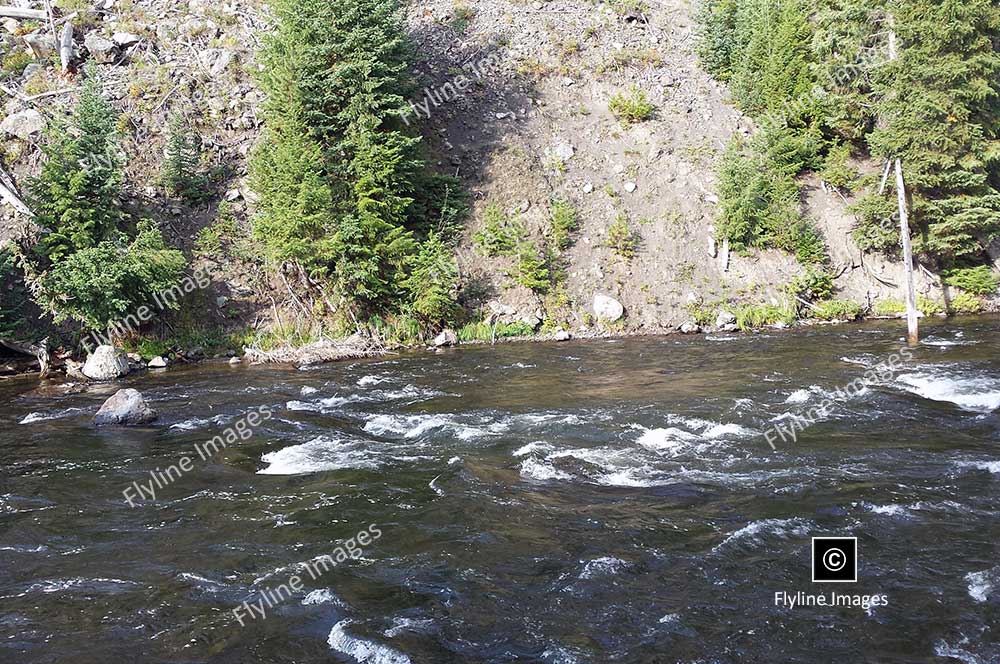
(611, 500)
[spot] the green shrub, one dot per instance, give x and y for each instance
(631, 107)
(563, 221)
(889, 307)
(433, 282)
(755, 316)
(837, 170)
(929, 307)
(214, 238)
(979, 280)
(815, 284)
(499, 234)
(483, 331)
(878, 224)
(621, 238)
(966, 303)
(837, 310)
(14, 63)
(181, 172)
(530, 269)
(99, 285)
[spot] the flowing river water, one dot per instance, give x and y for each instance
(592, 501)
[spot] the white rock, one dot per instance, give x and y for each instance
(724, 318)
(564, 151)
(446, 338)
(608, 308)
(23, 124)
(588, 187)
(690, 327)
(125, 408)
(106, 363)
(157, 363)
(562, 335)
(630, 187)
(101, 49)
(125, 39)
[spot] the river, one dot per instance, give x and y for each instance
(611, 500)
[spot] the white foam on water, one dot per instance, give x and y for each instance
(401, 625)
(533, 469)
(670, 618)
(323, 405)
(308, 390)
(756, 532)
(31, 418)
(887, 510)
(200, 422)
(799, 396)
(942, 649)
(415, 426)
(666, 440)
(601, 567)
(983, 584)
(531, 448)
(980, 395)
(321, 596)
(363, 650)
(559, 655)
(988, 466)
(366, 381)
(318, 455)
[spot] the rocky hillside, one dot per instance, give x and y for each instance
(516, 101)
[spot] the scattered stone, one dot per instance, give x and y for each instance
(125, 408)
(23, 124)
(125, 39)
(724, 319)
(102, 50)
(157, 363)
(630, 187)
(41, 43)
(233, 195)
(588, 187)
(690, 327)
(106, 363)
(608, 308)
(562, 335)
(221, 301)
(568, 82)
(446, 338)
(564, 151)
(235, 360)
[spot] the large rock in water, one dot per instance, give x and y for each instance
(106, 363)
(446, 338)
(608, 308)
(125, 408)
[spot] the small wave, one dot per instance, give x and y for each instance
(321, 596)
(531, 448)
(943, 649)
(982, 585)
(308, 390)
(31, 418)
(967, 392)
(318, 455)
(367, 381)
(415, 426)
(756, 532)
(799, 396)
(887, 510)
(602, 567)
(323, 405)
(533, 469)
(988, 466)
(363, 650)
(199, 423)
(402, 625)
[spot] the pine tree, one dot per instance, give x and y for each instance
(76, 195)
(181, 174)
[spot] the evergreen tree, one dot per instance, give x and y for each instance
(76, 196)
(433, 282)
(181, 174)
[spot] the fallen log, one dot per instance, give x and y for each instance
(8, 192)
(66, 47)
(17, 12)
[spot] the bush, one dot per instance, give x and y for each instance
(433, 282)
(979, 280)
(212, 239)
(483, 331)
(631, 107)
(889, 307)
(755, 316)
(621, 238)
(14, 63)
(837, 170)
(529, 267)
(878, 224)
(181, 173)
(499, 234)
(815, 284)
(966, 303)
(837, 310)
(563, 221)
(100, 285)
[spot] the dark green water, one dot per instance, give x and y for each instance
(599, 501)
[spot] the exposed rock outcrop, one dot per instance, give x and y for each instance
(106, 363)
(125, 408)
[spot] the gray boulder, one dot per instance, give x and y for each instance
(102, 50)
(608, 308)
(157, 363)
(725, 319)
(106, 363)
(690, 327)
(23, 124)
(125, 408)
(446, 338)
(562, 335)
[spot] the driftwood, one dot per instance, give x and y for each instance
(39, 350)
(66, 46)
(8, 192)
(17, 12)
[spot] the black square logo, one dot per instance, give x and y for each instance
(835, 559)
